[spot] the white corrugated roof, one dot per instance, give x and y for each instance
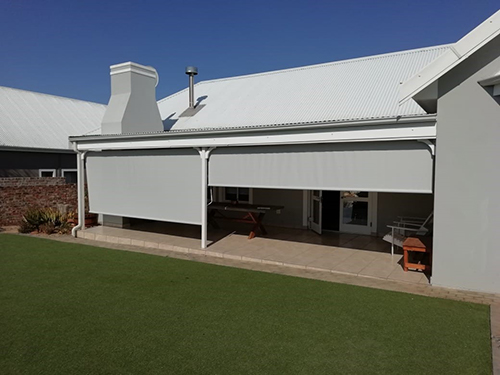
(31, 119)
(361, 88)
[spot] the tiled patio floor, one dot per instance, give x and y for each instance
(333, 252)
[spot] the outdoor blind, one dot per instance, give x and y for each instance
(396, 166)
(160, 185)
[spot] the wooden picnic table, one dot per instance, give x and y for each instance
(250, 213)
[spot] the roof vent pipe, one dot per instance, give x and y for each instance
(191, 71)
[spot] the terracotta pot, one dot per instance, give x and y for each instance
(90, 220)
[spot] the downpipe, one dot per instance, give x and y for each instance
(80, 191)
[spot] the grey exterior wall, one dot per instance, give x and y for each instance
(467, 183)
(291, 215)
(392, 205)
(27, 164)
(115, 221)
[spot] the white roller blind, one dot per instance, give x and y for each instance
(402, 166)
(159, 184)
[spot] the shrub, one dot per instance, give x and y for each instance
(64, 228)
(47, 228)
(33, 217)
(26, 227)
(46, 220)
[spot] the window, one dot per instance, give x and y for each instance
(70, 175)
(46, 173)
(233, 194)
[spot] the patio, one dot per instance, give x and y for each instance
(352, 254)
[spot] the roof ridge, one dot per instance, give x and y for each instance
(313, 66)
(51, 95)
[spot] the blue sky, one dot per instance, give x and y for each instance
(66, 47)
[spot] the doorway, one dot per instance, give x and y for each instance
(343, 211)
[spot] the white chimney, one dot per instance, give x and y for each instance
(132, 106)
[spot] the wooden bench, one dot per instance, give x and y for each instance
(249, 213)
(420, 245)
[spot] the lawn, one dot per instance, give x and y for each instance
(74, 309)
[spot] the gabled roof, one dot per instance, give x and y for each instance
(456, 54)
(362, 88)
(34, 120)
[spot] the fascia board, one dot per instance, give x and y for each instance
(219, 132)
(416, 132)
(457, 53)
(34, 149)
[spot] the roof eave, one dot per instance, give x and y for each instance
(394, 121)
(37, 149)
(458, 52)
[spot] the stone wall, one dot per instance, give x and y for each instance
(18, 194)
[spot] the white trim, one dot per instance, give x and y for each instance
(40, 171)
(316, 227)
(349, 188)
(374, 216)
(131, 67)
(460, 51)
(335, 136)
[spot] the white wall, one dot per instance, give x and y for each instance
(467, 188)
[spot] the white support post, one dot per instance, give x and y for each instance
(204, 154)
(204, 174)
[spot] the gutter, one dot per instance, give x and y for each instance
(34, 149)
(213, 132)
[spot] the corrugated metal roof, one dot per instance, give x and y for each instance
(31, 119)
(354, 89)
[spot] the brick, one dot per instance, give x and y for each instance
(18, 194)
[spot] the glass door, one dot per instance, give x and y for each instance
(355, 212)
(316, 210)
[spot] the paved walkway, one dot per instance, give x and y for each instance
(351, 254)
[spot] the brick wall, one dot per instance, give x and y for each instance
(17, 194)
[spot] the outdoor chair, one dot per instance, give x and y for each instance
(404, 227)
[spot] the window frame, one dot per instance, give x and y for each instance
(222, 194)
(40, 171)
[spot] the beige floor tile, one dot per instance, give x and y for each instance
(329, 261)
(410, 276)
(353, 264)
(240, 251)
(306, 257)
(100, 237)
(165, 246)
(135, 242)
(283, 255)
(378, 268)
(358, 242)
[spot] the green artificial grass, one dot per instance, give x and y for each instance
(74, 309)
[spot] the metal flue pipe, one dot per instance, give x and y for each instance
(191, 71)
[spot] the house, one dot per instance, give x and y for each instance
(345, 146)
(34, 130)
